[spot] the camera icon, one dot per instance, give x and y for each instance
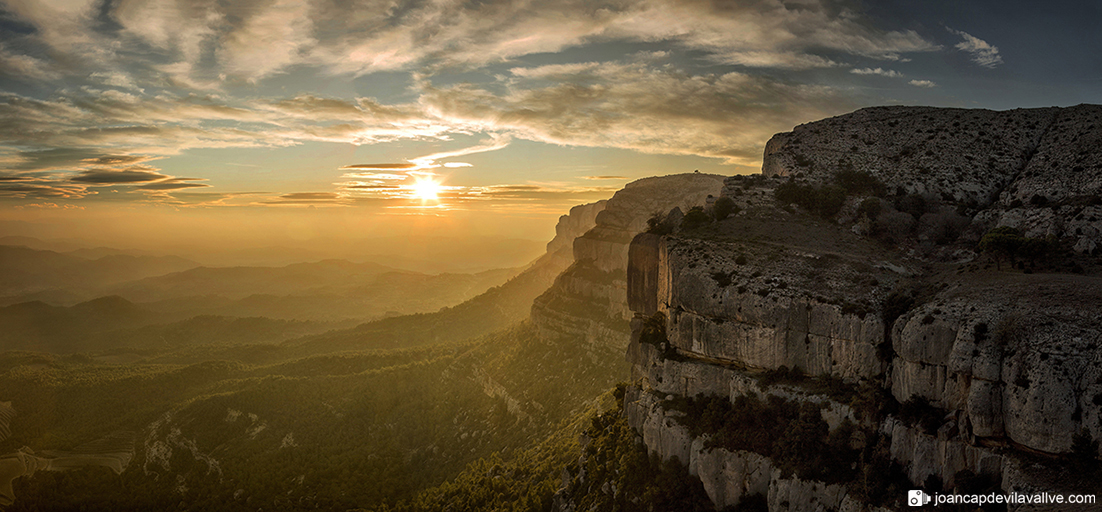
(917, 498)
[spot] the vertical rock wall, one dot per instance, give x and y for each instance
(588, 300)
(1001, 364)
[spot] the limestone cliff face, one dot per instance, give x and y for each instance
(580, 219)
(1009, 363)
(1017, 358)
(560, 255)
(588, 299)
(783, 310)
(606, 245)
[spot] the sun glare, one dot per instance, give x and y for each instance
(426, 189)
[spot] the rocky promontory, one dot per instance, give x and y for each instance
(588, 300)
(926, 280)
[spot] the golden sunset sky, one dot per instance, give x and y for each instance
(147, 123)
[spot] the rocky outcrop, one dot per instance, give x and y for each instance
(587, 300)
(581, 218)
(728, 476)
(966, 154)
(113, 452)
(1018, 357)
(981, 369)
(606, 245)
(1040, 169)
(1067, 161)
(763, 304)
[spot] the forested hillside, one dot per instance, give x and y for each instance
(305, 433)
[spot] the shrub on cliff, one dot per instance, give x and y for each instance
(968, 482)
(799, 450)
(617, 473)
(656, 225)
(913, 204)
(860, 182)
(653, 333)
(791, 433)
(824, 201)
(751, 503)
(725, 207)
(1084, 450)
(893, 226)
(695, 218)
(870, 208)
(880, 480)
(872, 402)
(1005, 242)
(943, 226)
(897, 303)
(918, 412)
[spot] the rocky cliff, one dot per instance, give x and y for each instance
(1039, 170)
(580, 219)
(588, 299)
(882, 313)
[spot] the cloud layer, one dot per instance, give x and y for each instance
(638, 107)
(99, 90)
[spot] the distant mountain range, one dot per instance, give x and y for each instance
(29, 271)
(110, 323)
(327, 290)
(425, 254)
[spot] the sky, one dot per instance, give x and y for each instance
(275, 121)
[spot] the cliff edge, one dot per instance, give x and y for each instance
(906, 296)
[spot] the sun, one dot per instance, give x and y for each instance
(426, 189)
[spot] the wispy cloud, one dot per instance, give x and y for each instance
(118, 177)
(26, 68)
(635, 106)
(380, 167)
(876, 71)
(982, 52)
(117, 159)
(173, 184)
(495, 142)
(167, 124)
(74, 174)
(773, 59)
(40, 191)
(922, 83)
(307, 198)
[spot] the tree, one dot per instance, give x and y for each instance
(1002, 242)
(1034, 249)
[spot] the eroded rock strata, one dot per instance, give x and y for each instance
(587, 301)
(958, 366)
